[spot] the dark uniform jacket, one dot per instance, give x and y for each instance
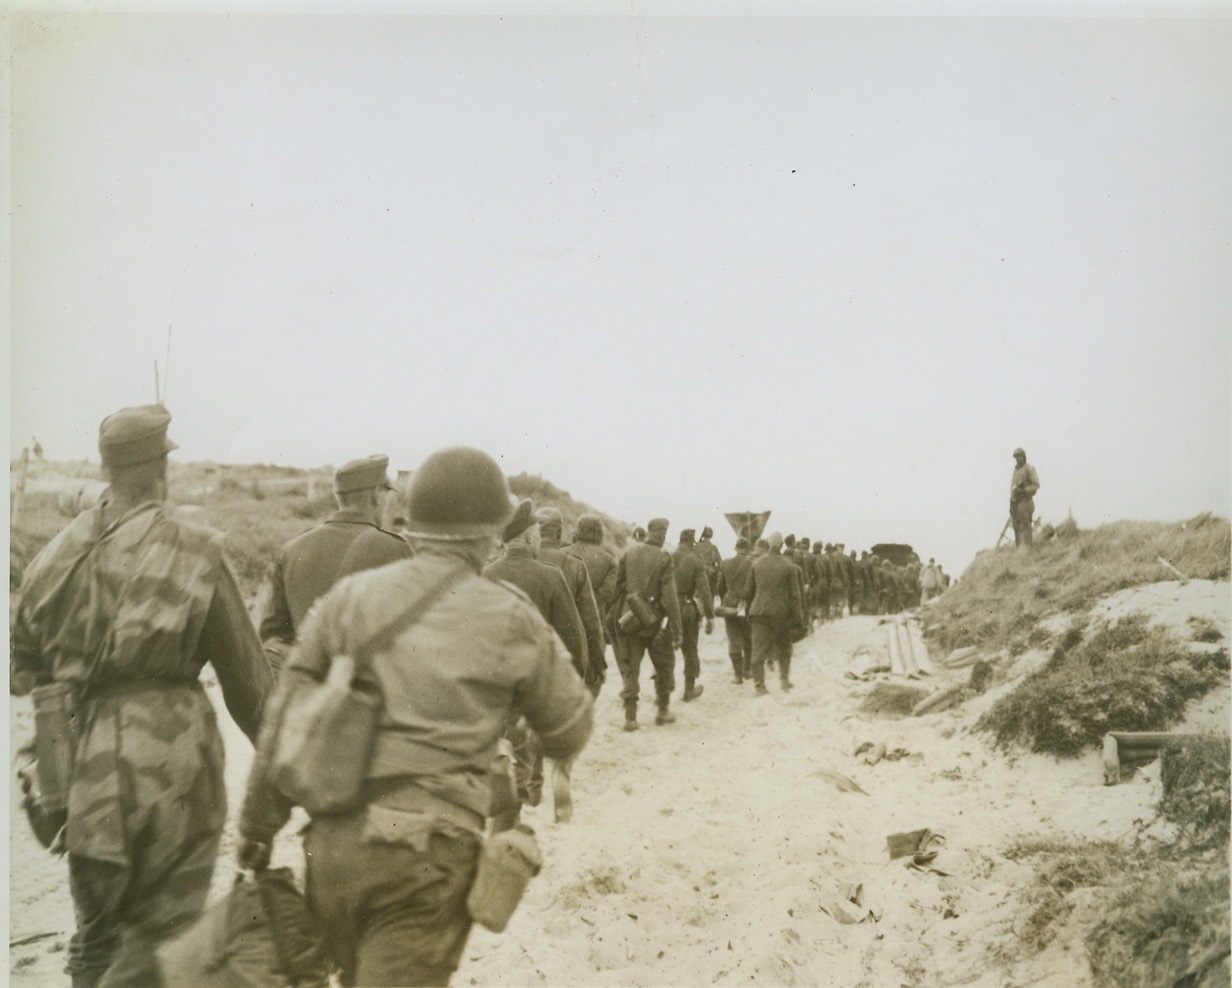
(712, 559)
(577, 579)
(775, 588)
(545, 586)
(691, 580)
(311, 563)
(601, 567)
(734, 578)
(647, 569)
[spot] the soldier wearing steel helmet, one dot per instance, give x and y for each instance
(388, 881)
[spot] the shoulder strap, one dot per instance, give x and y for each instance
(384, 637)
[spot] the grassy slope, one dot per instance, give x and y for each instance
(1156, 908)
(258, 508)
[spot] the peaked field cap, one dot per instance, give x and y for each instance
(1020, 452)
(657, 525)
(741, 543)
(361, 474)
(459, 492)
(550, 516)
(134, 435)
(707, 532)
(523, 518)
(687, 535)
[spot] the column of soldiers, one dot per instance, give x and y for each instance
(127, 605)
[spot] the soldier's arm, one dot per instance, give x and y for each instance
(266, 809)
(669, 597)
(588, 611)
(566, 621)
(550, 695)
(277, 629)
(230, 644)
(1032, 485)
(701, 587)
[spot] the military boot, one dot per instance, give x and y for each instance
(630, 715)
(664, 716)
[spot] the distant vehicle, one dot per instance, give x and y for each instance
(896, 552)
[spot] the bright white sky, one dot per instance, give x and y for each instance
(834, 267)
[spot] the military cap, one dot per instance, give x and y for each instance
(789, 541)
(550, 517)
(459, 493)
(134, 435)
(524, 516)
(687, 536)
(1020, 452)
(657, 525)
(360, 475)
(818, 547)
(707, 532)
(741, 543)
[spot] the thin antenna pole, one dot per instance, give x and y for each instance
(157, 399)
(167, 366)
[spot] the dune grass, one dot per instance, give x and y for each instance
(1004, 594)
(1126, 676)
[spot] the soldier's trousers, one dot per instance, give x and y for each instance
(629, 651)
(391, 903)
(1021, 512)
(771, 642)
(740, 646)
(124, 912)
(690, 632)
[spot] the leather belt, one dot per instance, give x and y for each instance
(398, 794)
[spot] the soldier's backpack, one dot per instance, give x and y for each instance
(259, 935)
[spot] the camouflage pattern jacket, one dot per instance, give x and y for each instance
(131, 611)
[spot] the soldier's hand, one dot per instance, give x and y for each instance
(709, 625)
(254, 855)
(677, 638)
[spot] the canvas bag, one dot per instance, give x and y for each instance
(259, 935)
(326, 735)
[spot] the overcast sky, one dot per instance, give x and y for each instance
(833, 267)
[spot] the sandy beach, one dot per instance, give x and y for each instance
(746, 843)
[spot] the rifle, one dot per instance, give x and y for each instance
(1008, 522)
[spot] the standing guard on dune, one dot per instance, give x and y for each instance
(645, 576)
(692, 587)
(119, 613)
(348, 541)
(1023, 485)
